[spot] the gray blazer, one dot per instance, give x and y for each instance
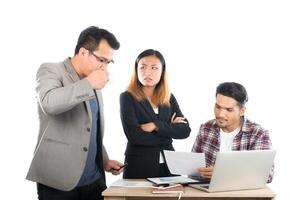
(65, 123)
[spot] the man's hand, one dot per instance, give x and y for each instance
(206, 172)
(175, 119)
(113, 166)
(98, 78)
(148, 127)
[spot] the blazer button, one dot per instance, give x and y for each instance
(88, 129)
(85, 149)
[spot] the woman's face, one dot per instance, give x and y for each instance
(149, 71)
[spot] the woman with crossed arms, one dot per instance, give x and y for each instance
(151, 118)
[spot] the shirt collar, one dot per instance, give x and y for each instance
(246, 125)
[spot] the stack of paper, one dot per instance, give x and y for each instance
(131, 183)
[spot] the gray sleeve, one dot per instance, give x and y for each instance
(104, 154)
(53, 96)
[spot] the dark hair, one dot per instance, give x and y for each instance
(161, 91)
(90, 37)
(152, 52)
(233, 90)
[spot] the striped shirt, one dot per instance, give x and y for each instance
(251, 137)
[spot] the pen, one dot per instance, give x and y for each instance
(125, 164)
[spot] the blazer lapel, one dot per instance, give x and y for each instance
(163, 112)
(148, 108)
(101, 112)
(71, 71)
(74, 78)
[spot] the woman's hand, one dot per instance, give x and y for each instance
(175, 119)
(148, 127)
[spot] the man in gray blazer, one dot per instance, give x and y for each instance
(69, 158)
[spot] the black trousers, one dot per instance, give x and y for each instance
(92, 191)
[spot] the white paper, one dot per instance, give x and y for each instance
(161, 158)
(184, 163)
(131, 183)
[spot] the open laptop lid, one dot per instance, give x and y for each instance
(239, 170)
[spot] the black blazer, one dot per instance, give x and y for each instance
(143, 149)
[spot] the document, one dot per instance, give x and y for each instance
(131, 183)
(184, 163)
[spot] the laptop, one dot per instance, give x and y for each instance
(239, 170)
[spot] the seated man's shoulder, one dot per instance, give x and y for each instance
(254, 128)
(209, 124)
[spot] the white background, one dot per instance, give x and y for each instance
(255, 43)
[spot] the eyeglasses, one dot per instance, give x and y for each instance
(102, 60)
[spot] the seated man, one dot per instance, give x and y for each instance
(230, 130)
